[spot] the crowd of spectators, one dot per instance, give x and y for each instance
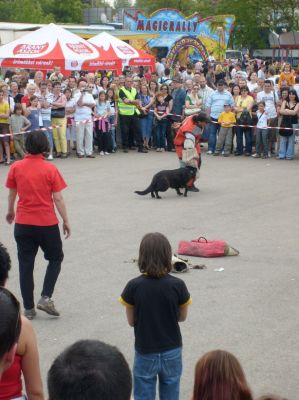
(85, 112)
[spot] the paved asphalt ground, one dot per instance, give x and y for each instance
(250, 309)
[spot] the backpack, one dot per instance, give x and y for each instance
(245, 118)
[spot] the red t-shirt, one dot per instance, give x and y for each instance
(25, 100)
(35, 180)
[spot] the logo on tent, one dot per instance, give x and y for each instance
(125, 49)
(30, 48)
(79, 48)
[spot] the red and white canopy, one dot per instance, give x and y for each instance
(128, 54)
(53, 45)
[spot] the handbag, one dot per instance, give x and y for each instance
(58, 112)
(286, 123)
(202, 247)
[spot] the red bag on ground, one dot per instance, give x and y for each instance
(206, 248)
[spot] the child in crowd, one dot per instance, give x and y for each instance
(4, 129)
(155, 304)
(226, 120)
(112, 117)
(70, 123)
(161, 111)
(18, 125)
(102, 125)
(261, 131)
(34, 113)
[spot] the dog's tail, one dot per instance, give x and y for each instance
(144, 192)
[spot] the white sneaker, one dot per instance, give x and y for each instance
(50, 157)
(106, 153)
(102, 153)
(209, 152)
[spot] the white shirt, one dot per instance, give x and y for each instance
(262, 119)
(160, 68)
(82, 113)
(270, 99)
(205, 94)
(252, 86)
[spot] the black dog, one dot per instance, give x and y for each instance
(175, 179)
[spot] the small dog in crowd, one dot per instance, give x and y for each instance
(174, 179)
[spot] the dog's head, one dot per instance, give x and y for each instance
(192, 171)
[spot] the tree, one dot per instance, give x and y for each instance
(29, 11)
(64, 11)
(122, 4)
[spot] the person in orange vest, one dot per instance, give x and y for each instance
(193, 125)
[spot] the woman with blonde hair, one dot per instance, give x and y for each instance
(219, 376)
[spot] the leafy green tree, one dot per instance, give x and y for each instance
(29, 11)
(186, 7)
(122, 4)
(64, 11)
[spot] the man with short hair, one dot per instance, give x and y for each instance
(215, 106)
(83, 119)
(128, 104)
(89, 370)
(179, 97)
(10, 327)
(165, 79)
(270, 98)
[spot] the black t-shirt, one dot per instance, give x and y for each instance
(156, 303)
(18, 98)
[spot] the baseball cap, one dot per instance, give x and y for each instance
(221, 82)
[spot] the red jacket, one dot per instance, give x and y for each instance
(188, 126)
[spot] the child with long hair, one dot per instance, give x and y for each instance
(113, 116)
(102, 125)
(161, 111)
(219, 376)
(155, 304)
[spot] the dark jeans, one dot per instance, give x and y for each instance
(130, 127)
(213, 129)
(104, 139)
(29, 238)
(248, 140)
(161, 132)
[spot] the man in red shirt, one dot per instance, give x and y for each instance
(38, 185)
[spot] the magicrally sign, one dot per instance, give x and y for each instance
(172, 26)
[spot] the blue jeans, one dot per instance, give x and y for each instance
(212, 130)
(48, 133)
(161, 132)
(146, 124)
(167, 366)
(286, 146)
(248, 140)
(113, 131)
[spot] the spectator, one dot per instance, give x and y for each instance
(26, 359)
(103, 134)
(89, 370)
(289, 111)
(70, 108)
(215, 107)
(155, 303)
(58, 119)
(193, 102)
(165, 79)
(33, 110)
(113, 116)
(204, 92)
(161, 111)
(269, 97)
(128, 107)
(219, 73)
(226, 119)
(15, 92)
(286, 76)
(261, 132)
(147, 117)
(18, 125)
(38, 185)
(4, 130)
(10, 326)
(83, 118)
(244, 105)
(45, 100)
(219, 376)
(56, 75)
(178, 96)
